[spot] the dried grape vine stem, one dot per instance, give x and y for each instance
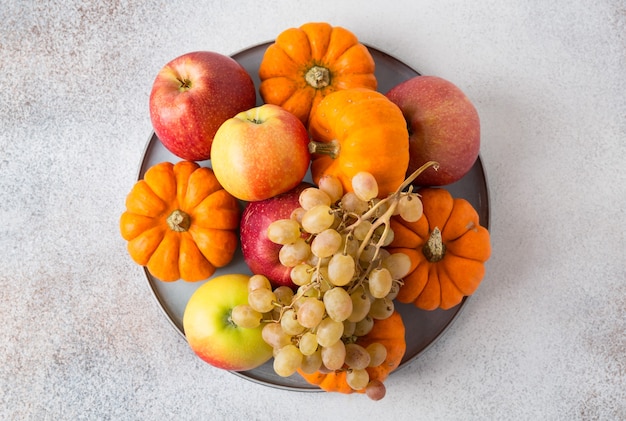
(392, 202)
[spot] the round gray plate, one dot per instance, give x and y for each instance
(422, 327)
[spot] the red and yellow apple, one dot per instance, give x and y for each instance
(443, 126)
(212, 334)
(260, 153)
(259, 252)
(192, 96)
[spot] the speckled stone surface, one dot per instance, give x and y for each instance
(543, 338)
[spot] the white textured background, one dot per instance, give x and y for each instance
(543, 338)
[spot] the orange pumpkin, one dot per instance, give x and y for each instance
(180, 223)
(447, 247)
(389, 332)
(359, 130)
(307, 63)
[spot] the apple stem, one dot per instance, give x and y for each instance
(434, 249)
(184, 84)
(318, 77)
(331, 148)
(179, 221)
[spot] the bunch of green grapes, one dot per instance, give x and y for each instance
(334, 244)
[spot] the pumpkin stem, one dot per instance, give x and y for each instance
(179, 221)
(318, 77)
(434, 249)
(331, 148)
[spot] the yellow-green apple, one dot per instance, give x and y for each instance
(260, 153)
(443, 126)
(259, 252)
(192, 96)
(212, 334)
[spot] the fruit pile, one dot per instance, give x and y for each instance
(327, 259)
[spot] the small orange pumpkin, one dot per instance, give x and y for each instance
(307, 63)
(391, 333)
(180, 223)
(357, 130)
(447, 247)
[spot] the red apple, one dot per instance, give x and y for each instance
(211, 333)
(192, 96)
(260, 153)
(259, 253)
(443, 126)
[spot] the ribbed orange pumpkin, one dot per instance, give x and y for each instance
(357, 130)
(180, 223)
(307, 63)
(389, 332)
(447, 247)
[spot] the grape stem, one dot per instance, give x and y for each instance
(416, 174)
(393, 197)
(384, 219)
